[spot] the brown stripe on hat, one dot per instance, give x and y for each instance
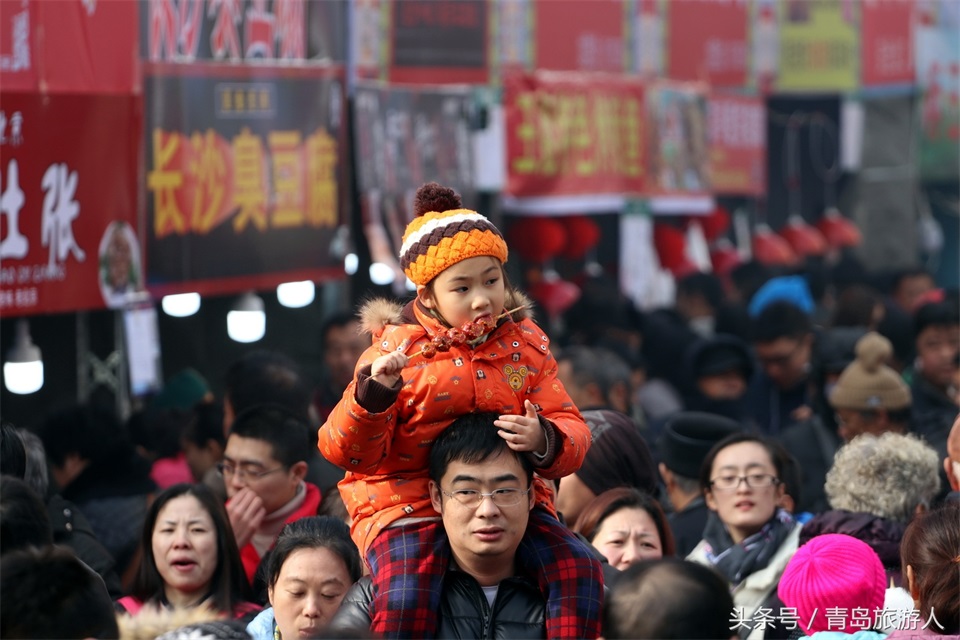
(446, 231)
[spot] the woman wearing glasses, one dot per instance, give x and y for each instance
(748, 538)
(189, 557)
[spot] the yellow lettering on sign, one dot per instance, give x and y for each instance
(164, 182)
(208, 168)
(249, 183)
(287, 178)
(527, 134)
(321, 180)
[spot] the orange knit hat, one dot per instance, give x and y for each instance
(438, 240)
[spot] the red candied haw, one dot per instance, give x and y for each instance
(472, 329)
(456, 336)
(488, 324)
(442, 342)
(428, 350)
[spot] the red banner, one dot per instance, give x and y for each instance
(574, 134)
(887, 42)
(69, 46)
(738, 145)
(68, 196)
(580, 35)
(707, 41)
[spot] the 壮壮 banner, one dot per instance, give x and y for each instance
(243, 176)
(887, 42)
(69, 46)
(737, 129)
(69, 166)
(819, 46)
(189, 31)
(572, 134)
(406, 136)
(707, 42)
(439, 41)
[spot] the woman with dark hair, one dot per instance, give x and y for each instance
(748, 538)
(190, 557)
(930, 552)
(308, 572)
(626, 526)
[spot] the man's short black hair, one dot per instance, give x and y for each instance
(668, 598)
(13, 455)
(205, 425)
(287, 433)
(52, 594)
(781, 319)
(89, 430)
(936, 314)
(336, 321)
(706, 285)
(471, 438)
(267, 377)
(23, 516)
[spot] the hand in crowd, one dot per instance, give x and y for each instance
(386, 369)
(523, 433)
(246, 512)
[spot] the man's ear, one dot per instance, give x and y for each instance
(666, 474)
(299, 470)
(531, 497)
(436, 498)
(424, 296)
(952, 478)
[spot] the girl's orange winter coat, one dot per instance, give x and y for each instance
(385, 454)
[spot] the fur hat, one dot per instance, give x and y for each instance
(834, 571)
(687, 438)
(444, 234)
(867, 383)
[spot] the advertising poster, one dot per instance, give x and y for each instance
(407, 136)
(707, 41)
(819, 45)
(737, 131)
(648, 35)
(439, 41)
(68, 201)
(573, 134)
(938, 73)
(580, 35)
(243, 176)
(887, 42)
(678, 148)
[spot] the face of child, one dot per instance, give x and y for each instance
(467, 291)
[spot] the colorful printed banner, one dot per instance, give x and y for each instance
(68, 199)
(648, 33)
(439, 41)
(405, 137)
(243, 176)
(938, 72)
(677, 145)
(737, 130)
(512, 47)
(234, 30)
(819, 46)
(887, 42)
(707, 41)
(574, 134)
(69, 46)
(368, 39)
(580, 35)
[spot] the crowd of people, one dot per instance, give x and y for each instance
(776, 456)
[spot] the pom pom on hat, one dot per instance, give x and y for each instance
(868, 383)
(834, 571)
(440, 236)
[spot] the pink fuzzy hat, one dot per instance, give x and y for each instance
(833, 571)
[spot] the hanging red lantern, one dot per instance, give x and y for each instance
(805, 240)
(715, 224)
(770, 249)
(555, 295)
(724, 257)
(671, 246)
(537, 239)
(583, 234)
(838, 230)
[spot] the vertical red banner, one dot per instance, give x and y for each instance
(580, 35)
(707, 41)
(886, 42)
(736, 126)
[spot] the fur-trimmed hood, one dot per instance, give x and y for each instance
(152, 621)
(377, 313)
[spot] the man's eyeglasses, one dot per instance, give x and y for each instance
(781, 360)
(245, 474)
(753, 480)
(501, 497)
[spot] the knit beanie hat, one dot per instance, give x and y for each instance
(444, 234)
(867, 383)
(838, 573)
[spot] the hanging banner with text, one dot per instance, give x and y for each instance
(707, 42)
(648, 34)
(571, 134)
(887, 42)
(189, 31)
(938, 73)
(69, 168)
(580, 35)
(406, 136)
(439, 41)
(677, 145)
(243, 176)
(819, 46)
(74, 46)
(737, 129)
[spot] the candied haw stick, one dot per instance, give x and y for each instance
(458, 337)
